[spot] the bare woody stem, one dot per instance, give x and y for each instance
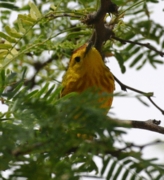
(150, 125)
(147, 45)
(146, 94)
(102, 32)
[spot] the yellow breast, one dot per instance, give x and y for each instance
(88, 71)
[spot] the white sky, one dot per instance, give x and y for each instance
(147, 79)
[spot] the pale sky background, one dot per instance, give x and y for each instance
(147, 79)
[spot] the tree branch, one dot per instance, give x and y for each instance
(102, 32)
(146, 94)
(147, 45)
(151, 125)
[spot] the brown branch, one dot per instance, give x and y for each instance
(147, 45)
(102, 32)
(146, 94)
(151, 125)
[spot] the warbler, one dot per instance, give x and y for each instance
(87, 69)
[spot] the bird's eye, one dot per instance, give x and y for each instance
(77, 58)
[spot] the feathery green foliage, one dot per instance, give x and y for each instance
(38, 133)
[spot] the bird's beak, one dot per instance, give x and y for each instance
(89, 45)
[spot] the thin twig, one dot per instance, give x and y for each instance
(141, 147)
(52, 16)
(147, 45)
(117, 152)
(146, 94)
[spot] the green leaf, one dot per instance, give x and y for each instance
(35, 10)
(125, 174)
(9, 6)
(112, 168)
(3, 75)
(5, 46)
(20, 25)
(143, 63)
(142, 101)
(3, 54)
(12, 32)
(135, 50)
(136, 60)
(158, 61)
(119, 171)
(49, 92)
(105, 164)
(120, 61)
(43, 90)
(25, 17)
(27, 22)
(8, 38)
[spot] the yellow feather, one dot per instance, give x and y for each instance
(88, 71)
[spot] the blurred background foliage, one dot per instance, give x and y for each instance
(38, 132)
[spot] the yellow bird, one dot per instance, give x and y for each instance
(87, 70)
